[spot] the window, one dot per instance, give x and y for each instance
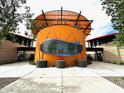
(60, 48)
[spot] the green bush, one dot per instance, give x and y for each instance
(109, 62)
(121, 63)
(89, 62)
(32, 63)
(114, 63)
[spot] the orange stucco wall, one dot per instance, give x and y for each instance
(60, 32)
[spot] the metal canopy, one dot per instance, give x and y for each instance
(33, 49)
(62, 17)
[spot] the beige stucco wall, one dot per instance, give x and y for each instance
(121, 50)
(8, 52)
(113, 53)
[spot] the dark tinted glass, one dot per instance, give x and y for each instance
(60, 48)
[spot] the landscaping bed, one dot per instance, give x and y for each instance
(6, 81)
(116, 80)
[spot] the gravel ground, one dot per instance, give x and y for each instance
(116, 80)
(6, 81)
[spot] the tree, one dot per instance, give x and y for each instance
(115, 9)
(10, 16)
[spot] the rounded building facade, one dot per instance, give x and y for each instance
(61, 36)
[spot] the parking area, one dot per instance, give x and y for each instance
(67, 80)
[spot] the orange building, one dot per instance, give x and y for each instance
(61, 36)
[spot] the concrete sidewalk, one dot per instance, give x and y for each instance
(67, 80)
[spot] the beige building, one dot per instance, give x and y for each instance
(111, 53)
(8, 52)
(8, 49)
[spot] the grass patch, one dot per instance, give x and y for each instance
(116, 80)
(121, 63)
(6, 81)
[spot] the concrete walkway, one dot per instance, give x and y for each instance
(67, 80)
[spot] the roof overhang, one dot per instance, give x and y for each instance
(62, 17)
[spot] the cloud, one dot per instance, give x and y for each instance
(101, 31)
(91, 9)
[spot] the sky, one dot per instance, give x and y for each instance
(91, 9)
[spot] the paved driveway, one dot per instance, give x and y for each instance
(67, 80)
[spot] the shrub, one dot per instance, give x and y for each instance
(32, 63)
(121, 63)
(89, 57)
(109, 62)
(89, 62)
(114, 63)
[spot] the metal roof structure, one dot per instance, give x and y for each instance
(102, 37)
(62, 17)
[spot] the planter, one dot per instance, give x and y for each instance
(60, 64)
(41, 64)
